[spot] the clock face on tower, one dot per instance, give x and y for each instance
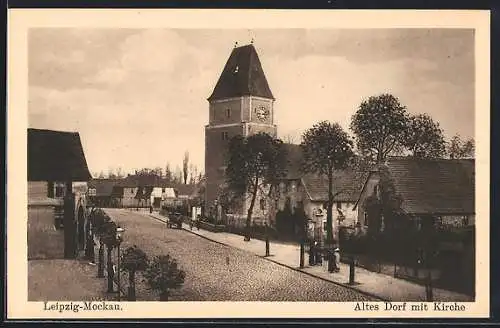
(262, 113)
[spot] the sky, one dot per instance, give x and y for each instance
(138, 96)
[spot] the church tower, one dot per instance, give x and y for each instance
(240, 104)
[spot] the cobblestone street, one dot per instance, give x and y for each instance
(216, 272)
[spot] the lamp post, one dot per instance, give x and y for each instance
(119, 239)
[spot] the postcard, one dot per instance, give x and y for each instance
(247, 164)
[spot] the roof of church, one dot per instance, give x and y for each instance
(242, 76)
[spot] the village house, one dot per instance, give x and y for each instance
(440, 189)
(161, 192)
(101, 191)
(437, 198)
(346, 186)
(56, 165)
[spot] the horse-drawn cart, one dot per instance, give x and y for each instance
(175, 220)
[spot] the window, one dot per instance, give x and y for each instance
(162, 190)
(366, 219)
(228, 112)
(375, 190)
(325, 225)
(131, 191)
(224, 135)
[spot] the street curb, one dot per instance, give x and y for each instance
(330, 281)
(284, 265)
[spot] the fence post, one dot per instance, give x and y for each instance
(302, 251)
(110, 270)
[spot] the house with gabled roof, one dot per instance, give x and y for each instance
(441, 189)
(56, 167)
(310, 192)
(102, 192)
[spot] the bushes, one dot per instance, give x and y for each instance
(133, 260)
(163, 275)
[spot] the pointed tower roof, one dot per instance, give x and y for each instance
(242, 76)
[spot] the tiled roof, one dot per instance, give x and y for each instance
(56, 156)
(185, 189)
(145, 180)
(242, 76)
(346, 185)
(117, 191)
(104, 187)
(434, 186)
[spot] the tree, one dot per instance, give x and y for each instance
(133, 260)
(378, 126)
(326, 147)
(163, 275)
(158, 171)
(255, 163)
(291, 138)
(185, 166)
(119, 173)
(384, 207)
(111, 173)
(168, 173)
(424, 138)
(177, 176)
(458, 148)
(193, 174)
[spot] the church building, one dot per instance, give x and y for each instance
(240, 104)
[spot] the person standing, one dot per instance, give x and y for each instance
(312, 251)
(336, 256)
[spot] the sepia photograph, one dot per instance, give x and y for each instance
(307, 164)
